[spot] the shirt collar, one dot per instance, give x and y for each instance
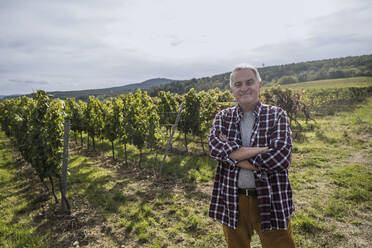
(256, 112)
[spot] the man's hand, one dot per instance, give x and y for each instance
(222, 137)
(245, 164)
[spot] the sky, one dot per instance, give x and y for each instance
(87, 44)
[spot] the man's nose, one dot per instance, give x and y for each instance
(244, 87)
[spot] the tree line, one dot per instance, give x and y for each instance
(281, 74)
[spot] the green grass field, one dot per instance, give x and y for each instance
(332, 83)
(117, 205)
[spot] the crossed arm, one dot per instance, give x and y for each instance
(229, 151)
(243, 153)
(275, 158)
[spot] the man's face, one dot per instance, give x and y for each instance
(246, 88)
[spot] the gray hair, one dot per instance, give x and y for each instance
(243, 67)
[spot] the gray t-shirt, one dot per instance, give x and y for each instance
(246, 177)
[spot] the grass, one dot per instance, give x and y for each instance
(332, 180)
(119, 205)
(16, 230)
(332, 83)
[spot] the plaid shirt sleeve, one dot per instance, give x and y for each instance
(278, 158)
(221, 150)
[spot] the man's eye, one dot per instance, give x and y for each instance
(237, 84)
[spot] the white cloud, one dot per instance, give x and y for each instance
(29, 82)
(94, 44)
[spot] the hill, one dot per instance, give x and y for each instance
(9, 96)
(288, 74)
(282, 74)
(109, 92)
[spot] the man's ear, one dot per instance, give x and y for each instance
(260, 85)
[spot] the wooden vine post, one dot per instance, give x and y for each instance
(171, 137)
(64, 201)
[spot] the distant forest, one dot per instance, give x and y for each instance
(271, 75)
(281, 74)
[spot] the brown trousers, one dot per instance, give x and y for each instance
(248, 222)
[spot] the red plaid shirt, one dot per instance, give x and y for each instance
(274, 194)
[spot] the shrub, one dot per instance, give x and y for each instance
(288, 80)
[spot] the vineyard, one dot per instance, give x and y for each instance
(117, 149)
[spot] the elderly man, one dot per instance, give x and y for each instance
(252, 145)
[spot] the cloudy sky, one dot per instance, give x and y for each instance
(85, 44)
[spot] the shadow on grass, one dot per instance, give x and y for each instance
(87, 204)
(32, 196)
(95, 194)
(100, 202)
